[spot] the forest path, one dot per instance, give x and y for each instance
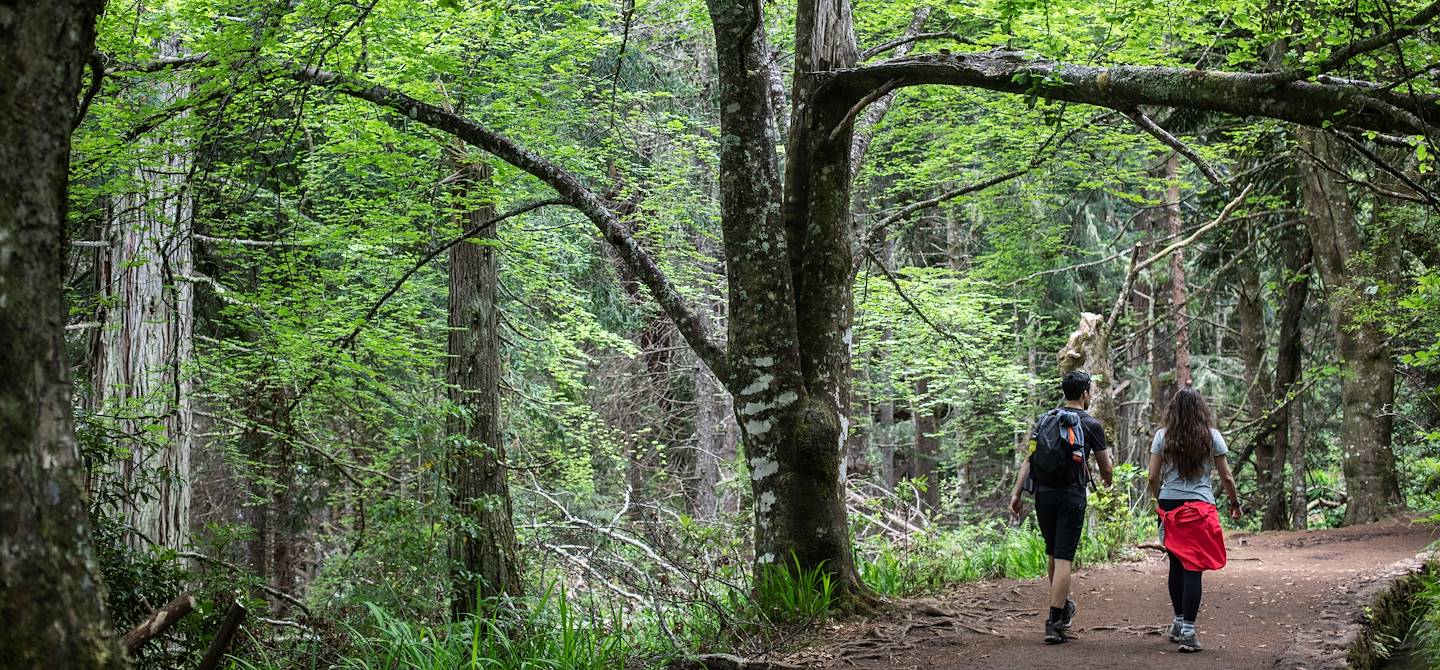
(1274, 582)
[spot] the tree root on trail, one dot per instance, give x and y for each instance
(728, 662)
(1137, 630)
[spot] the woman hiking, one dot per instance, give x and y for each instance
(1183, 457)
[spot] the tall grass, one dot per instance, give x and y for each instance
(547, 631)
(927, 563)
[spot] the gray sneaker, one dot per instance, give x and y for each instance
(1174, 633)
(1188, 643)
(1069, 614)
(1054, 632)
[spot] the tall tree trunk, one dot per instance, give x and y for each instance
(1367, 385)
(1179, 294)
(713, 427)
(1289, 361)
(1299, 485)
(145, 348)
(484, 557)
(927, 444)
(884, 417)
(53, 607)
(789, 276)
(1161, 358)
(712, 406)
(1250, 310)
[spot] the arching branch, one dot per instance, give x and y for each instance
(692, 325)
(1125, 88)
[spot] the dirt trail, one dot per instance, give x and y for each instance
(1274, 583)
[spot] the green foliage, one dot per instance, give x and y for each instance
(1423, 639)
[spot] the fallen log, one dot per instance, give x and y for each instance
(157, 623)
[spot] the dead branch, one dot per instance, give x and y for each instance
(911, 39)
(1136, 268)
(158, 622)
(270, 590)
(216, 653)
(1154, 129)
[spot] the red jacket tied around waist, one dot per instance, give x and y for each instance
(1193, 535)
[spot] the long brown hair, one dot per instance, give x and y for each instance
(1187, 433)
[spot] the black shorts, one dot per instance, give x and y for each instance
(1061, 514)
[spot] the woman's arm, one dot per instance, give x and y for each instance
(1154, 477)
(1228, 481)
(1019, 483)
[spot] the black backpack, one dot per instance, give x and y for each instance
(1058, 434)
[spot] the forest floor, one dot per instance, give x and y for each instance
(1275, 582)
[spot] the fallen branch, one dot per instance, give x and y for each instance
(158, 622)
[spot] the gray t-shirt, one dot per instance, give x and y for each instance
(1172, 487)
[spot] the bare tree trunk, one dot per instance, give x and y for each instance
(53, 604)
(1250, 310)
(1367, 386)
(927, 444)
(1289, 353)
(141, 372)
(1179, 294)
(1299, 485)
(485, 561)
(713, 405)
(1161, 358)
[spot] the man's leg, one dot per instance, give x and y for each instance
(1069, 525)
(1059, 583)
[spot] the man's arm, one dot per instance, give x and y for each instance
(1100, 445)
(1107, 469)
(1019, 484)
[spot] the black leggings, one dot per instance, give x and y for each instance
(1184, 584)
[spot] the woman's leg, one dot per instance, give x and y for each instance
(1190, 599)
(1177, 586)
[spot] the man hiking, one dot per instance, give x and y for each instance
(1056, 470)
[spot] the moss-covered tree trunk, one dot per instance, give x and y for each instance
(484, 558)
(790, 310)
(1367, 383)
(53, 602)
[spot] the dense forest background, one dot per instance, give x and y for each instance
(393, 317)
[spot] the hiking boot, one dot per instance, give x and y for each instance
(1069, 614)
(1188, 643)
(1054, 632)
(1174, 633)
